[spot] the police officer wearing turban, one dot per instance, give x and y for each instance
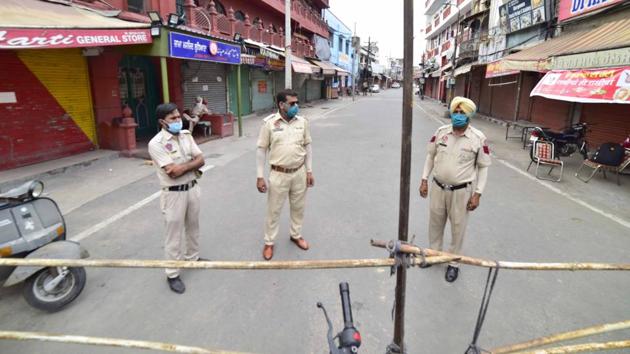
(458, 157)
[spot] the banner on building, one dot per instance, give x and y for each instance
(498, 68)
(71, 38)
(519, 14)
(611, 85)
(572, 8)
(190, 47)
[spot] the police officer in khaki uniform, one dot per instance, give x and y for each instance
(287, 137)
(178, 159)
(459, 158)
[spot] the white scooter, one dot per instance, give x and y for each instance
(32, 226)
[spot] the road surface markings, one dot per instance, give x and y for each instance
(556, 190)
(112, 219)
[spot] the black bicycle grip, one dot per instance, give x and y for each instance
(344, 290)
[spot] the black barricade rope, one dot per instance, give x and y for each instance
(481, 316)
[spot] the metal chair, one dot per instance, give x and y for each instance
(543, 153)
(610, 156)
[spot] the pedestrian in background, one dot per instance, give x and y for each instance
(287, 138)
(459, 157)
(177, 159)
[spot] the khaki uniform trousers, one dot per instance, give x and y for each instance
(282, 185)
(181, 210)
(451, 205)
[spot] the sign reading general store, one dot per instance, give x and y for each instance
(70, 38)
(519, 14)
(190, 47)
(572, 8)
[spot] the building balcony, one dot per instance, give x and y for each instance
(303, 14)
(432, 6)
(212, 23)
(469, 49)
(442, 21)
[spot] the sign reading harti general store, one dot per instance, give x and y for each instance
(191, 47)
(70, 38)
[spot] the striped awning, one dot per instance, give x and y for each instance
(611, 35)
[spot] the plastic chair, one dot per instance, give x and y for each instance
(610, 156)
(543, 153)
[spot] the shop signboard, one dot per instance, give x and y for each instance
(610, 85)
(70, 38)
(516, 15)
(568, 9)
(184, 46)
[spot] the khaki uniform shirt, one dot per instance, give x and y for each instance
(166, 148)
(456, 159)
(286, 141)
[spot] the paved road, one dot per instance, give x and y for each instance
(356, 165)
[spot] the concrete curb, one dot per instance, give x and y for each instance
(71, 166)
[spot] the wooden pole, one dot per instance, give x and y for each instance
(288, 49)
(109, 342)
(398, 345)
(584, 332)
(581, 348)
(233, 265)
(406, 248)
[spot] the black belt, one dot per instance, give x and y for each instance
(181, 187)
(449, 187)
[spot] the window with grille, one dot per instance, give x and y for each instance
(340, 42)
(135, 6)
(240, 16)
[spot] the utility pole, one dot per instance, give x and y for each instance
(287, 44)
(367, 63)
(454, 57)
(398, 345)
(354, 58)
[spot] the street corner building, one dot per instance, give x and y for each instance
(505, 55)
(91, 76)
(46, 97)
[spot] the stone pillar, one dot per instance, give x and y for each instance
(126, 133)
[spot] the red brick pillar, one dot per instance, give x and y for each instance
(127, 133)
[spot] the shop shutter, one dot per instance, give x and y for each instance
(460, 85)
(485, 97)
(607, 123)
(503, 103)
(549, 113)
(53, 114)
(476, 74)
(314, 89)
(262, 81)
(201, 79)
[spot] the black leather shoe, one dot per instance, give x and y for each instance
(176, 284)
(451, 274)
(201, 259)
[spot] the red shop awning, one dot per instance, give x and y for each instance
(609, 85)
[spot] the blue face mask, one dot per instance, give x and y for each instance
(293, 111)
(175, 127)
(459, 119)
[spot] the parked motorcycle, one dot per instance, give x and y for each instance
(566, 142)
(31, 226)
